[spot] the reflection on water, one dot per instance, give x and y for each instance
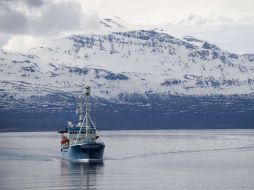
(80, 175)
(136, 160)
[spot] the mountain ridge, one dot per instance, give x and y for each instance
(130, 71)
(143, 57)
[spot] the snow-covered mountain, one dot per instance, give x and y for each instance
(121, 63)
(127, 62)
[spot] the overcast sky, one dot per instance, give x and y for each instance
(227, 23)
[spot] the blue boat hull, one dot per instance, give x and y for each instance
(86, 152)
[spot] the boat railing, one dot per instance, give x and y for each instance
(79, 141)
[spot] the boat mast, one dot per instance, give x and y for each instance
(80, 110)
(87, 93)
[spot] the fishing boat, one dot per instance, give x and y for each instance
(80, 142)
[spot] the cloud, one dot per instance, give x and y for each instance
(227, 23)
(4, 38)
(42, 18)
(11, 5)
(27, 42)
(231, 34)
(13, 22)
(199, 20)
(56, 17)
(29, 22)
(34, 3)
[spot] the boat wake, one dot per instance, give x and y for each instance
(28, 157)
(250, 147)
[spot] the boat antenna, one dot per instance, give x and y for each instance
(87, 117)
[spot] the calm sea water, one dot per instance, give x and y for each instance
(173, 159)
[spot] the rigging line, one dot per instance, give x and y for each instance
(91, 121)
(95, 108)
(80, 129)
